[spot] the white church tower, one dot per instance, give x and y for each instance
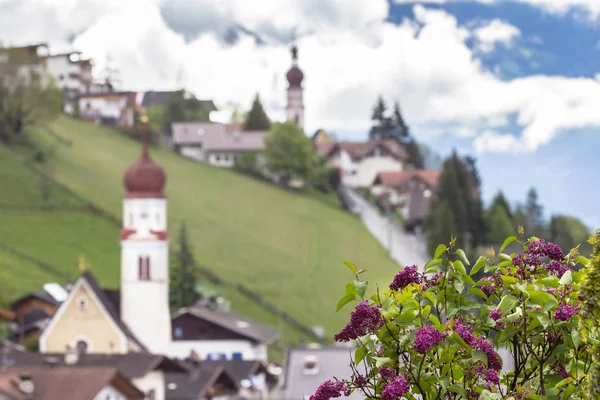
(295, 103)
(145, 254)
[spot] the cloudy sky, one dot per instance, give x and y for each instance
(516, 83)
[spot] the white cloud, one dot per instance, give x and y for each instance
(351, 56)
(493, 142)
(493, 32)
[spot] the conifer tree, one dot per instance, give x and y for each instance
(534, 214)
(500, 201)
(184, 278)
(257, 119)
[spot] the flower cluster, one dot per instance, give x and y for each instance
(395, 389)
(496, 315)
(364, 319)
(564, 312)
(532, 258)
(426, 338)
(479, 343)
(405, 277)
(329, 390)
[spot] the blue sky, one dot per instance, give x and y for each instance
(564, 171)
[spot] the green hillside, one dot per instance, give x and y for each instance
(285, 246)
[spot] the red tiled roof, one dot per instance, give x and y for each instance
(399, 178)
(358, 150)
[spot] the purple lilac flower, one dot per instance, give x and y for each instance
(360, 381)
(426, 338)
(434, 280)
(492, 376)
(330, 389)
(395, 389)
(405, 277)
(388, 373)
(464, 332)
(562, 371)
(551, 337)
(494, 361)
(488, 289)
(564, 312)
(364, 319)
(496, 314)
(552, 251)
(557, 268)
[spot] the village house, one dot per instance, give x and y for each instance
(408, 192)
(111, 108)
(307, 367)
(44, 382)
(360, 162)
(73, 74)
(26, 63)
(215, 143)
(212, 332)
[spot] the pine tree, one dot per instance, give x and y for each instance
(381, 123)
(500, 201)
(184, 278)
(257, 119)
(402, 129)
(535, 215)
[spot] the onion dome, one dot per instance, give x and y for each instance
(144, 178)
(295, 75)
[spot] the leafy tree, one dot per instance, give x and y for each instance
(499, 224)
(289, 153)
(26, 97)
(184, 278)
(247, 162)
(569, 232)
(257, 119)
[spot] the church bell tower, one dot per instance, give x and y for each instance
(295, 103)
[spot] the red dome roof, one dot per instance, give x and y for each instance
(144, 178)
(295, 77)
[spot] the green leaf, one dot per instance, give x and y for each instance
(542, 318)
(458, 285)
(463, 256)
(432, 263)
(576, 336)
(479, 356)
(434, 319)
(507, 303)
(542, 299)
(458, 389)
(480, 263)
(460, 267)
(345, 300)
(361, 288)
(508, 241)
(439, 251)
(381, 361)
(514, 317)
(430, 297)
(351, 289)
(351, 266)
(477, 292)
(504, 257)
(359, 355)
(568, 392)
(566, 279)
(508, 279)
(582, 260)
(507, 334)
(487, 395)
(551, 281)
(360, 271)
(483, 283)
(426, 311)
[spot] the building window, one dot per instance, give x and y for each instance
(81, 303)
(144, 268)
(222, 356)
(178, 332)
(218, 157)
(236, 356)
(151, 394)
(81, 347)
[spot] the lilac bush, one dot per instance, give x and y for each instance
(436, 334)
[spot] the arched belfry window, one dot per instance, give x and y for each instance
(144, 268)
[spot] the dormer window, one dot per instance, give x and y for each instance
(144, 268)
(311, 366)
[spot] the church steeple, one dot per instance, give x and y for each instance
(145, 253)
(295, 101)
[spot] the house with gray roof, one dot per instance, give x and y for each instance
(307, 367)
(214, 143)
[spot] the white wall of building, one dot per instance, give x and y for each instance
(145, 302)
(61, 68)
(362, 173)
(295, 106)
(109, 393)
(183, 348)
(193, 152)
(226, 160)
(154, 380)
